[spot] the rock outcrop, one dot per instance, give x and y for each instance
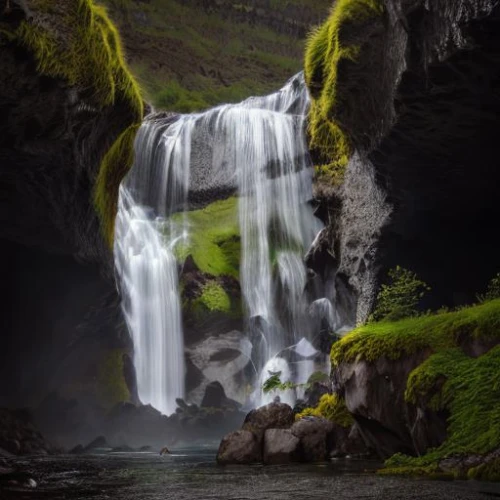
(405, 97)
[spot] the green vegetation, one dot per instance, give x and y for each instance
(215, 298)
(449, 379)
(400, 297)
(77, 42)
(493, 290)
(84, 49)
(430, 332)
(192, 56)
(114, 166)
(214, 238)
(327, 49)
(110, 385)
(333, 408)
(471, 393)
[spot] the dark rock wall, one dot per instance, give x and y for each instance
(420, 105)
(62, 319)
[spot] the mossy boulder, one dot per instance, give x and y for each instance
(425, 386)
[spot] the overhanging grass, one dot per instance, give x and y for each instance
(327, 48)
(436, 332)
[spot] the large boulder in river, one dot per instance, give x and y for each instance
(240, 447)
(281, 447)
(271, 416)
(315, 435)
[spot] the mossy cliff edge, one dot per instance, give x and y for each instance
(70, 53)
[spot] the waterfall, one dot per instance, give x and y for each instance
(256, 150)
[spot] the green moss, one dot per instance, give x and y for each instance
(214, 242)
(215, 298)
(327, 49)
(111, 385)
(76, 41)
(435, 332)
(486, 472)
(470, 392)
(468, 388)
(114, 166)
(331, 407)
(85, 51)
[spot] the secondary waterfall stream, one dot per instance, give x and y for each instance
(256, 150)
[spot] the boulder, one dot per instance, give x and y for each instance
(315, 436)
(271, 416)
(240, 447)
(281, 447)
(215, 397)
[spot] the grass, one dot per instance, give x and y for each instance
(326, 50)
(402, 338)
(213, 54)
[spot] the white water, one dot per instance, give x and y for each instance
(257, 148)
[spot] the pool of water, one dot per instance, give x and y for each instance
(193, 474)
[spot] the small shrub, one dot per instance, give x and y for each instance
(493, 290)
(400, 297)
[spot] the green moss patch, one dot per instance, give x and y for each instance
(470, 392)
(214, 238)
(75, 40)
(333, 408)
(111, 386)
(79, 43)
(214, 298)
(401, 338)
(114, 166)
(468, 388)
(328, 47)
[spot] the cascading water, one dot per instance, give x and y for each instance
(256, 149)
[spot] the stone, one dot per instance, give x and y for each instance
(314, 434)
(240, 447)
(281, 447)
(215, 397)
(271, 416)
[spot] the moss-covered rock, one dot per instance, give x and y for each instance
(214, 238)
(332, 407)
(71, 98)
(432, 382)
(334, 46)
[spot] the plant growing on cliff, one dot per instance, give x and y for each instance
(492, 291)
(400, 297)
(332, 407)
